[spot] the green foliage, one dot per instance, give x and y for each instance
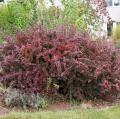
(116, 32)
(75, 102)
(1, 40)
(16, 15)
(50, 17)
(80, 13)
(116, 35)
(74, 12)
(41, 102)
(4, 22)
(20, 15)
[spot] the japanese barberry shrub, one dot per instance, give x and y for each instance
(61, 61)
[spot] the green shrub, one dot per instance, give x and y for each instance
(41, 102)
(5, 26)
(74, 12)
(20, 14)
(16, 15)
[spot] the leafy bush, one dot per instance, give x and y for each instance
(44, 61)
(41, 102)
(75, 12)
(4, 23)
(21, 14)
(13, 97)
(16, 15)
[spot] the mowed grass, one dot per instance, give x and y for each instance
(111, 113)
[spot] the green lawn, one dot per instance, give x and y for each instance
(112, 113)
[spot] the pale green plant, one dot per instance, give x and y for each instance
(4, 20)
(116, 32)
(74, 12)
(41, 102)
(15, 97)
(17, 15)
(1, 40)
(20, 14)
(116, 35)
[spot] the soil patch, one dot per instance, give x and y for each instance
(3, 111)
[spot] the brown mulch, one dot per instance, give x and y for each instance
(59, 106)
(3, 111)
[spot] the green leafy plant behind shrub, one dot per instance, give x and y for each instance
(116, 32)
(16, 15)
(20, 15)
(1, 40)
(116, 35)
(81, 14)
(41, 102)
(5, 26)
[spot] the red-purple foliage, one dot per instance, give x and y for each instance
(82, 68)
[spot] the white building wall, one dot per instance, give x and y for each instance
(114, 12)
